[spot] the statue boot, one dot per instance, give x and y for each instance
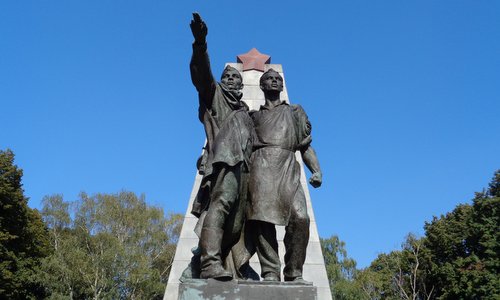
(211, 261)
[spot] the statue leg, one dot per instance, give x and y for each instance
(223, 196)
(296, 238)
(267, 249)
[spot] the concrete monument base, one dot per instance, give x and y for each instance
(201, 289)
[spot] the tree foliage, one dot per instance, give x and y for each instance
(457, 258)
(23, 236)
(464, 246)
(341, 270)
(108, 246)
(401, 274)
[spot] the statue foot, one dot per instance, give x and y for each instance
(271, 277)
(298, 280)
(248, 273)
(216, 271)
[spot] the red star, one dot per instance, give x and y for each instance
(253, 60)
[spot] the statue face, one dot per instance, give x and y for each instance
(271, 82)
(232, 79)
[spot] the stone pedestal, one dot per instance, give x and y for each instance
(200, 289)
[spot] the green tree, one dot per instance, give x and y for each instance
(401, 274)
(114, 247)
(23, 236)
(341, 270)
(372, 284)
(464, 246)
(377, 280)
(458, 258)
(62, 270)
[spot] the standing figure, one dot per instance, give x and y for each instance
(276, 195)
(220, 204)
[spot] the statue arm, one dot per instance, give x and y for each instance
(201, 73)
(311, 160)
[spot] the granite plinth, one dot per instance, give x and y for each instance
(200, 289)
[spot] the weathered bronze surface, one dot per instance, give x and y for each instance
(276, 196)
(249, 173)
(221, 200)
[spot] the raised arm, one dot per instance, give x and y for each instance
(201, 73)
(311, 160)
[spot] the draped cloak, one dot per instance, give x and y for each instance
(229, 135)
(228, 127)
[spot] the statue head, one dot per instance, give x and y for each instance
(271, 81)
(231, 78)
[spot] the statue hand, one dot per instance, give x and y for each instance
(198, 28)
(316, 179)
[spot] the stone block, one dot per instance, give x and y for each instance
(252, 92)
(172, 292)
(280, 233)
(254, 263)
(251, 77)
(241, 290)
(324, 293)
(316, 274)
(178, 266)
(188, 227)
(237, 66)
(254, 104)
(183, 251)
(277, 67)
(314, 254)
(313, 231)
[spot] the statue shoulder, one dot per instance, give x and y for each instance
(298, 110)
(253, 113)
(302, 123)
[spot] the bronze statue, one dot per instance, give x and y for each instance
(220, 204)
(276, 196)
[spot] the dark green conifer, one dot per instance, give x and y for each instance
(23, 236)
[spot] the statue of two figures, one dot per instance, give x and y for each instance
(251, 179)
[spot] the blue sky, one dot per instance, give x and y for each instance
(403, 96)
